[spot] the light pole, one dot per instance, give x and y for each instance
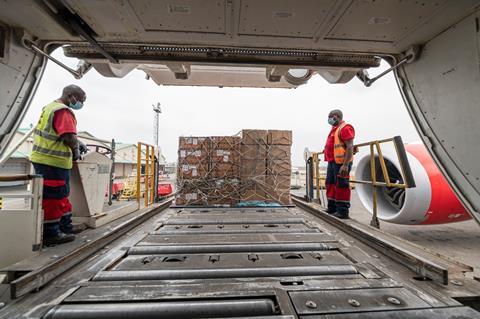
(157, 110)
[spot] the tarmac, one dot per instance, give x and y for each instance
(460, 241)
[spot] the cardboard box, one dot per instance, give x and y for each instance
(281, 152)
(224, 170)
(253, 195)
(253, 151)
(250, 168)
(190, 197)
(279, 137)
(225, 142)
(252, 188)
(191, 171)
(281, 196)
(225, 192)
(191, 156)
(278, 189)
(225, 156)
(279, 167)
(193, 142)
(278, 182)
(253, 137)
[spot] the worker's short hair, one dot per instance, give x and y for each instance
(73, 89)
(337, 113)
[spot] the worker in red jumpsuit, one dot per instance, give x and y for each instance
(339, 156)
(55, 147)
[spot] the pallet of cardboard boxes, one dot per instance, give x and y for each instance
(227, 170)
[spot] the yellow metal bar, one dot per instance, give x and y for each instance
(374, 222)
(317, 175)
(139, 169)
(147, 154)
(153, 190)
(401, 166)
(379, 184)
(374, 183)
(373, 142)
(362, 144)
(382, 164)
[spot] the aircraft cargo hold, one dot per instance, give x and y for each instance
(253, 167)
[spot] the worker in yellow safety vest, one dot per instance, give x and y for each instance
(55, 147)
(338, 154)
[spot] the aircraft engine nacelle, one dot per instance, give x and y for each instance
(432, 201)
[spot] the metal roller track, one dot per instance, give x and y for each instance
(177, 274)
(237, 248)
(225, 221)
(171, 309)
(253, 231)
(160, 271)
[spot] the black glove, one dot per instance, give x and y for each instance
(76, 154)
(82, 147)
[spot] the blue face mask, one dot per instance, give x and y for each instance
(332, 121)
(76, 106)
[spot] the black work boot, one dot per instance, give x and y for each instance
(67, 227)
(341, 215)
(60, 238)
(73, 229)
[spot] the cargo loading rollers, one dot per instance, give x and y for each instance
(199, 262)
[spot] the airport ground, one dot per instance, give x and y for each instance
(460, 241)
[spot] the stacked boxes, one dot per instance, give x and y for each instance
(253, 168)
(224, 156)
(208, 170)
(192, 170)
(225, 170)
(279, 166)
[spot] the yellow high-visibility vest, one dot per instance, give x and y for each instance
(48, 149)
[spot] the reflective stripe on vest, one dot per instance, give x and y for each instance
(339, 148)
(48, 148)
(46, 135)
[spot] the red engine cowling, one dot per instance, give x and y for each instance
(432, 201)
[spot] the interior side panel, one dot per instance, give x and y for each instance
(20, 72)
(442, 93)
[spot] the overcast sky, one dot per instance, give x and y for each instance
(122, 109)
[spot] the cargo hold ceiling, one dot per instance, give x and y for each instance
(334, 38)
(357, 26)
(361, 26)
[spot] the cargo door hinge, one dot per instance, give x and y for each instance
(409, 56)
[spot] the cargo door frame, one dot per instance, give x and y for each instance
(425, 87)
(20, 72)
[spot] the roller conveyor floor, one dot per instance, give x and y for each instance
(239, 263)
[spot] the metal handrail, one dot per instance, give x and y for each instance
(406, 172)
(16, 146)
(95, 139)
(149, 172)
(18, 177)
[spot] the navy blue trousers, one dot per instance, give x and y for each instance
(338, 189)
(56, 206)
